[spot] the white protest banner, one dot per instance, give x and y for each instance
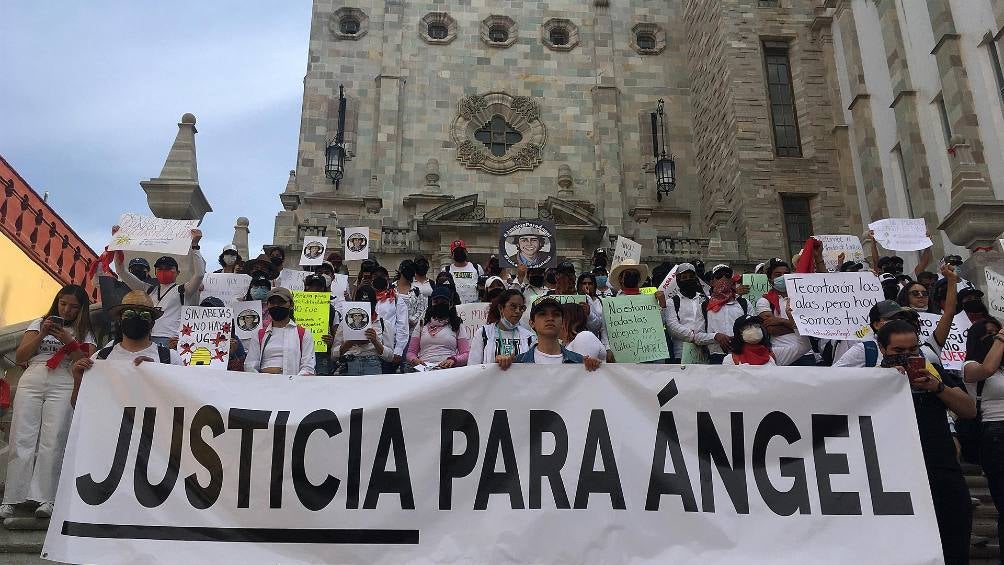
(639, 464)
(995, 292)
(669, 286)
(473, 315)
(228, 287)
(292, 279)
(146, 233)
(313, 250)
(835, 245)
(832, 305)
(204, 337)
(355, 320)
(247, 318)
(357, 244)
(339, 285)
(901, 234)
(626, 251)
(953, 354)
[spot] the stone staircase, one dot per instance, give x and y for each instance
(984, 518)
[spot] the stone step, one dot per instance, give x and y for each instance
(991, 551)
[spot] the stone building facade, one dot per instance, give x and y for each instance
(752, 118)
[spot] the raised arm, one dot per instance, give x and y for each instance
(875, 252)
(974, 372)
(925, 260)
(944, 326)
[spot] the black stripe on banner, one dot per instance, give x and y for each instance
(258, 535)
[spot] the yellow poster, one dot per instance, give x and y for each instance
(311, 310)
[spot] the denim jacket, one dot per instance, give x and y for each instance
(566, 355)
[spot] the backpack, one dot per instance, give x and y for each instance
(163, 352)
(299, 329)
(484, 338)
(181, 291)
(742, 302)
(871, 353)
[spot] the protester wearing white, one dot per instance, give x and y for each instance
(282, 347)
(360, 352)
(730, 360)
(490, 341)
(787, 348)
(587, 344)
(683, 314)
(393, 310)
(117, 353)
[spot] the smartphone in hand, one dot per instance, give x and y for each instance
(916, 367)
(58, 321)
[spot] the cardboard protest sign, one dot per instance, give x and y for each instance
(311, 310)
(357, 244)
(648, 290)
(634, 328)
(147, 233)
(473, 315)
(669, 286)
(832, 305)
(292, 279)
(759, 286)
(626, 251)
(339, 286)
(693, 354)
(228, 287)
(204, 337)
(995, 293)
(901, 234)
(355, 320)
(527, 242)
(835, 245)
(313, 250)
(953, 353)
(247, 318)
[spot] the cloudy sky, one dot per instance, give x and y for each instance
(92, 93)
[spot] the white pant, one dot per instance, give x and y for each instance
(38, 431)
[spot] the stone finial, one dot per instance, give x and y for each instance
(290, 197)
(291, 182)
(431, 176)
(240, 239)
(176, 193)
(976, 214)
(564, 180)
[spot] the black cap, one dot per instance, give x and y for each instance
(166, 262)
(139, 261)
(368, 265)
(544, 303)
(565, 267)
(259, 279)
(314, 279)
(851, 267)
(969, 291)
(889, 259)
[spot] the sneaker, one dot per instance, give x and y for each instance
(6, 511)
(44, 510)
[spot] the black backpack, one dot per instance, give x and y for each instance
(163, 352)
(181, 291)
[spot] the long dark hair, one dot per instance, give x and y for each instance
(82, 325)
(495, 310)
(903, 298)
(583, 277)
(737, 332)
(977, 346)
(455, 321)
(574, 319)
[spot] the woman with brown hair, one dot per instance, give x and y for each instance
(576, 337)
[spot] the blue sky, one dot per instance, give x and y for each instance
(92, 93)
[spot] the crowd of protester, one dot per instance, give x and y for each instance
(414, 327)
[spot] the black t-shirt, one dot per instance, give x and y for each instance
(932, 423)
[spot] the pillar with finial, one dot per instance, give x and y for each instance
(176, 193)
(241, 232)
(565, 181)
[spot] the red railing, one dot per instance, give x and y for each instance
(34, 227)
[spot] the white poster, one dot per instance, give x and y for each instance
(832, 305)
(357, 244)
(313, 250)
(247, 318)
(156, 235)
(355, 320)
(228, 287)
(835, 245)
(542, 464)
(204, 337)
(292, 279)
(901, 234)
(626, 251)
(473, 315)
(953, 354)
(339, 286)
(669, 286)
(995, 293)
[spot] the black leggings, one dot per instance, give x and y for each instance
(954, 513)
(992, 460)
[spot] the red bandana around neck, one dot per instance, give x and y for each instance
(385, 294)
(755, 354)
(723, 291)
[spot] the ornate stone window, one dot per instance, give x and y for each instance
(499, 133)
(498, 31)
(437, 28)
(648, 38)
(559, 34)
(348, 23)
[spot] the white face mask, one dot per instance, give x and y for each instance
(752, 335)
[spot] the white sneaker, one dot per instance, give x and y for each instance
(44, 510)
(6, 511)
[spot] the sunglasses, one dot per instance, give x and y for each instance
(919, 293)
(127, 314)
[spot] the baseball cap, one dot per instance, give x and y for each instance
(969, 291)
(717, 268)
(952, 260)
(888, 277)
(457, 243)
(259, 279)
(684, 267)
(492, 280)
(314, 279)
(230, 248)
(283, 293)
(543, 304)
(166, 262)
(886, 309)
(565, 267)
(140, 262)
(442, 291)
(889, 259)
(851, 267)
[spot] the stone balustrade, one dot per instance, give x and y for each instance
(682, 247)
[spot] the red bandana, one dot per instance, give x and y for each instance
(385, 294)
(630, 291)
(723, 291)
(756, 354)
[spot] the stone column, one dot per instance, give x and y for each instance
(389, 87)
(240, 240)
(176, 193)
(606, 124)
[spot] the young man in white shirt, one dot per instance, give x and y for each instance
(465, 274)
(547, 319)
(721, 311)
(789, 348)
(683, 315)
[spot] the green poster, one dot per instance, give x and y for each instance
(634, 328)
(311, 310)
(568, 298)
(759, 285)
(693, 354)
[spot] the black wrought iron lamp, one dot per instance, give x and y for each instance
(334, 153)
(665, 165)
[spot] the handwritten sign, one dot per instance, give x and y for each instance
(473, 315)
(759, 286)
(228, 287)
(311, 310)
(834, 245)
(901, 234)
(634, 328)
(995, 292)
(953, 353)
(669, 286)
(355, 320)
(357, 244)
(204, 337)
(313, 250)
(832, 305)
(626, 251)
(247, 318)
(292, 279)
(146, 233)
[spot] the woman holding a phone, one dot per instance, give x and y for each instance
(41, 418)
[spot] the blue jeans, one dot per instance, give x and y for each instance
(160, 341)
(364, 365)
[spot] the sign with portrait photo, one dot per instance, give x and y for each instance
(357, 244)
(527, 242)
(313, 250)
(247, 318)
(355, 320)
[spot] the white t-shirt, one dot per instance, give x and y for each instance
(992, 407)
(786, 348)
(542, 358)
(119, 354)
(722, 322)
(425, 287)
(466, 278)
(587, 344)
(50, 345)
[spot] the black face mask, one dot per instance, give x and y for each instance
(689, 287)
(278, 313)
(380, 283)
(974, 307)
(440, 311)
(460, 255)
(536, 280)
(276, 261)
(899, 360)
(890, 290)
(135, 327)
(141, 274)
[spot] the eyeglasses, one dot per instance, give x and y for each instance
(127, 314)
(516, 307)
(919, 293)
